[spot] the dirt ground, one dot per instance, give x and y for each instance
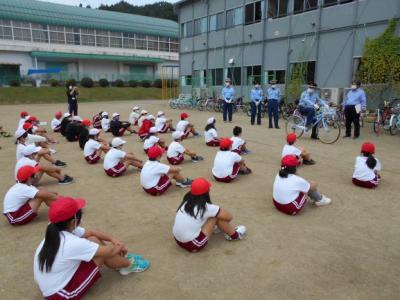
(348, 250)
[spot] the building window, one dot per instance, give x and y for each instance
(72, 36)
(141, 41)
(235, 74)
(215, 77)
(200, 26)
(305, 69)
(253, 73)
(278, 75)
(174, 45)
(164, 44)
(187, 29)
(88, 37)
(57, 34)
(116, 39)
(40, 33)
(234, 17)
(22, 31)
(152, 42)
(304, 5)
(186, 80)
(212, 23)
(220, 21)
(5, 30)
(277, 8)
(129, 40)
(253, 12)
(102, 38)
(334, 2)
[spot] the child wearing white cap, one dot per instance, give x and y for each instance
(105, 122)
(176, 151)
(94, 147)
(162, 123)
(142, 117)
(153, 139)
(118, 127)
(64, 123)
(29, 154)
(117, 161)
(210, 133)
(134, 116)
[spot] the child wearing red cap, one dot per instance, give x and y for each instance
(162, 123)
(67, 261)
(210, 133)
(22, 201)
(56, 122)
(39, 130)
(23, 117)
(176, 151)
(153, 139)
(185, 126)
(94, 146)
(291, 149)
(228, 164)
(367, 168)
(197, 219)
(83, 136)
(239, 144)
(144, 129)
(117, 161)
(155, 176)
(290, 191)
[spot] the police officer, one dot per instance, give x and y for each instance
(353, 104)
(256, 96)
(228, 94)
(274, 97)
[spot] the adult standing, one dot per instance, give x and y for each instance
(353, 104)
(256, 96)
(228, 94)
(274, 97)
(72, 94)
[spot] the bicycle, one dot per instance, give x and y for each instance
(382, 118)
(394, 123)
(328, 128)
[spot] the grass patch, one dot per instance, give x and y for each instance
(22, 95)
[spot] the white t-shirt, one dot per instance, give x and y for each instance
(17, 196)
(24, 161)
(20, 149)
(210, 135)
(187, 228)
(55, 123)
(73, 250)
(175, 149)
(223, 163)
(133, 117)
(151, 173)
(34, 138)
(290, 150)
(287, 190)
(150, 142)
(91, 147)
(160, 122)
(112, 158)
(362, 171)
(105, 124)
(182, 125)
(237, 142)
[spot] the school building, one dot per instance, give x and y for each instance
(264, 40)
(81, 42)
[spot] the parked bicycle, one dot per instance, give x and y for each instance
(394, 123)
(382, 116)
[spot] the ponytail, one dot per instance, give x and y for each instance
(371, 161)
(284, 172)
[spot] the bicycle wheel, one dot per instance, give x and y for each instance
(328, 131)
(172, 104)
(295, 124)
(378, 123)
(393, 125)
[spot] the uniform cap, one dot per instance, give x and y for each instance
(144, 112)
(150, 117)
(289, 161)
(155, 152)
(66, 115)
(32, 119)
(184, 115)
(77, 118)
(210, 120)
(64, 208)
(23, 114)
(225, 143)
(86, 122)
(368, 147)
(116, 142)
(160, 113)
(94, 131)
(25, 172)
(104, 113)
(115, 115)
(291, 138)
(20, 132)
(27, 126)
(58, 114)
(135, 108)
(30, 149)
(200, 186)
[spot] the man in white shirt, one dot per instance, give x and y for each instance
(22, 201)
(94, 147)
(176, 152)
(291, 149)
(228, 164)
(185, 126)
(162, 123)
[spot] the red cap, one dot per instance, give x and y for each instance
(368, 147)
(225, 143)
(23, 114)
(184, 115)
(200, 186)
(155, 152)
(289, 161)
(32, 119)
(27, 126)
(86, 122)
(25, 172)
(58, 114)
(291, 138)
(64, 208)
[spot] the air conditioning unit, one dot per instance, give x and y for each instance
(331, 94)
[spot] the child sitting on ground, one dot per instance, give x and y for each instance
(239, 144)
(134, 116)
(176, 151)
(291, 149)
(56, 122)
(185, 126)
(210, 133)
(94, 147)
(144, 129)
(153, 139)
(162, 123)
(367, 168)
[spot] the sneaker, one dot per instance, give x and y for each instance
(246, 152)
(324, 201)
(197, 158)
(67, 180)
(137, 265)
(60, 163)
(133, 255)
(52, 151)
(308, 162)
(241, 230)
(196, 134)
(186, 183)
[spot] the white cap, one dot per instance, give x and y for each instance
(114, 115)
(177, 134)
(116, 142)
(160, 113)
(94, 131)
(135, 108)
(210, 120)
(104, 113)
(30, 149)
(66, 115)
(150, 117)
(144, 112)
(20, 132)
(153, 130)
(77, 118)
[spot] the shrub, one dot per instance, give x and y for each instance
(157, 83)
(119, 83)
(146, 83)
(14, 82)
(70, 82)
(53, 82)
(133, 83)
(103, 82)
(87, 82)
